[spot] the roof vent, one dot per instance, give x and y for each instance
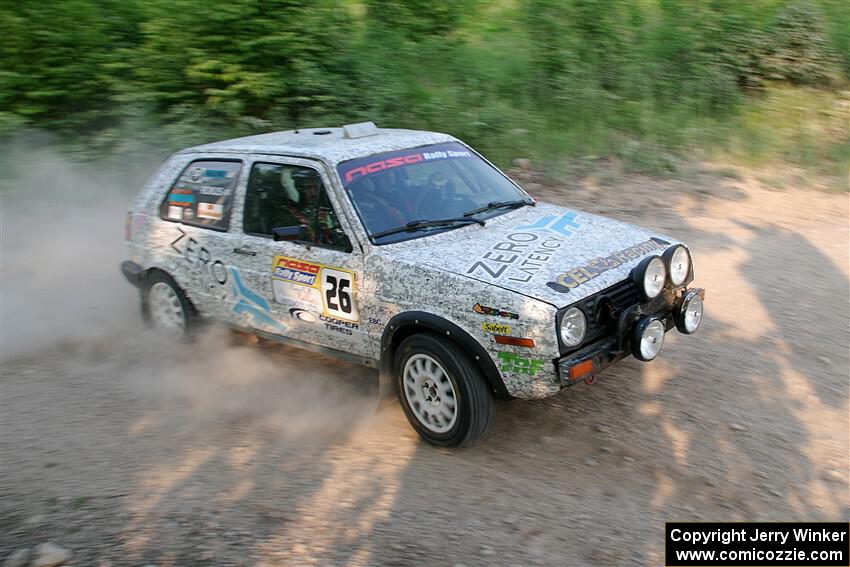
(321, 132)
(359, 130)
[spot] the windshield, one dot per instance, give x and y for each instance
(428, 183)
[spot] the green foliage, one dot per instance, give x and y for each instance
(551, 79)
(54, 57)
(416, 18)
(799, 48)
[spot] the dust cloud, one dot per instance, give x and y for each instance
(62, 243)
(66, 307)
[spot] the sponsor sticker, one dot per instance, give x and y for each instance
(210, 211)
(498, 328)
(218, 174)
(290, 293)
(303, 315)
(252, 307)
(519, 257)
(181, 197)
(516, 364)
(214, 191)
(295, 271)
(596, 267)
(339, 325)
(563, 225)
(335, 286)
(175, 212)
(362, 167)
(484, 310)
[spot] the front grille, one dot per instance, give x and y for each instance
(603, 309)
(623, 295)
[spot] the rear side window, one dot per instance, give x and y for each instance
(203, 194)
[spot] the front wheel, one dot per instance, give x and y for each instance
(443, 394)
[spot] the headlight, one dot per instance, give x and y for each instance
(649, 276)
(678, 262)
(648, 338)
(573, 327)
(690, 313)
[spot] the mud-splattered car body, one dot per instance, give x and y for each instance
(497, 288)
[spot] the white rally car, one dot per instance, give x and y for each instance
(408, 252)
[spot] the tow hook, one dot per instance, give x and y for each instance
(590, 380)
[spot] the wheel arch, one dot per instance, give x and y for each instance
(145, 277)
(409, 323)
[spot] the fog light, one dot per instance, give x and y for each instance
(690, 312)
(648, 338)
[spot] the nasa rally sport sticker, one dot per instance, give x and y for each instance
(335, 286)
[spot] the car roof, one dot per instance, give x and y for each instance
(333, 145)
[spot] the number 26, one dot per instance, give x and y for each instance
(338, 299)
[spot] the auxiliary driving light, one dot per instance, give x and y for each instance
(649, 276)
(677, 259)
(690, 312)
(648, 338)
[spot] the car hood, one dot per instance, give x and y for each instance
(546, 252)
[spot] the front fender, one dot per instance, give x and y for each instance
(403, 325)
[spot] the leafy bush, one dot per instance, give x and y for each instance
(544, 78)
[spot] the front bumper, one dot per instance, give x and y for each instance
(586, 363)
(133, 272)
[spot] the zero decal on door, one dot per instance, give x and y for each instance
(309, 285)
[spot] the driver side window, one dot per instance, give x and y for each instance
(291, 195)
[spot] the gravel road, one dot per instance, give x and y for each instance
(127, 450)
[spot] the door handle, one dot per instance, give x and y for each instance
(245, 251)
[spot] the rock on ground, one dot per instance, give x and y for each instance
(49, 555)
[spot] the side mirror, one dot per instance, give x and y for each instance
(289, 233)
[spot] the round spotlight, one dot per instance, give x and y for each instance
(649, 276)
(648, 338)
(573, 327)
(690, 313)
(677, 259)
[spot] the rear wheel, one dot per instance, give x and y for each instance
(443, 394)
(168, 309)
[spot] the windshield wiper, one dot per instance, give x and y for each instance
(499, 205)
(413, 226)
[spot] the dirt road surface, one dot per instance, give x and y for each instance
(130, 451)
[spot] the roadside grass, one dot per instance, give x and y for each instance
(791, 135)
(787, 136)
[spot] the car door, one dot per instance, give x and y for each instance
(193, 237)
(308, 287)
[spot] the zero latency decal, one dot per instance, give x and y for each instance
(333, 289)
(253, 307)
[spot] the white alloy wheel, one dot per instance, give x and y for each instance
(166, 310)
(430, 393)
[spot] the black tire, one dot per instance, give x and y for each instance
(191, 320)
(474, 405)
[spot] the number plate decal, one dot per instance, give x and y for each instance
(337, 286)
